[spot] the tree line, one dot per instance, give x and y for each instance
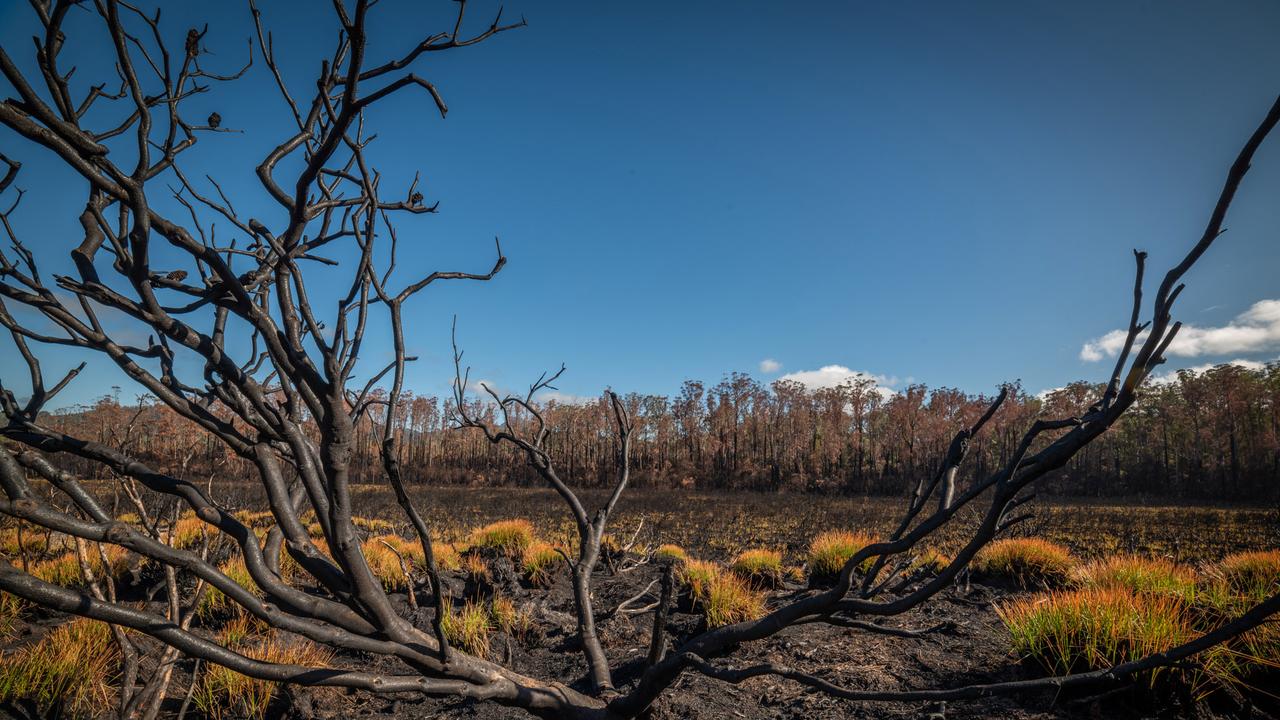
(1196, 435)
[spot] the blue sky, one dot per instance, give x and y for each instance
(936, 192)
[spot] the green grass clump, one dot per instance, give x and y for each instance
(723, 597)
(1253, 574)
(540, 563)
(511, 537)
(1139, 574)
(516, 622)
(1094, 628)
(224, 693)
(729, 600)
(829, 551)
(70, 669)
(468, 628)
(759, 568)
(1028, 561)
(697, 575)
(1237, 661)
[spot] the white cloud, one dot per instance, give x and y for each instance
(769, 365)
(829, 376)
(1254, 330)
(564, 398)
(1044, 394)
(1172, 375)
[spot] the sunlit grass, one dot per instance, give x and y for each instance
(1253, 574)
(1094, 628)
(671, 554)
(760, 568)
(11, 607)
(1029, 561)
(65, 569)
(1139, 574)
(223, 693)
(70, 669)
(34, 540)
(511, 537)
(541, 560)
(930, 560)
(189, 532)
(829, 551)
(467, 628)
(722, 596)
(517, 622)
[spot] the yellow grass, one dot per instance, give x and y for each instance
(1093, 628)
(759, 567)
(215, 601)
(72, 668)
(511, 537)
(224, 693)
(1029, 561)
(541, 560)
(65, 568)
(829, 551)
(723, 597)
(11, 607)
(932, 560)
(468, 628)
(189, 532)
(34, 540)
(1255, 574)
(1139, 574)
(516, 622)
(670, 553)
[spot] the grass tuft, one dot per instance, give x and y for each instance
(759, 568)
(723, 597)
(1253, 574)
(507, 618)
(215, 602)
(65, 569)
(11, 607)
(511, 537)
(188, 532)
(1028, 561)
(225, 693)
(541, 560)
(1139, 574)
(70, 670)
(671, 554)
(468, 628)
(829, 551)
(1094, 628)
(931, 560)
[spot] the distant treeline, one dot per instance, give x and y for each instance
(1209, 435)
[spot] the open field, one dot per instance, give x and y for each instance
(512, 601)
(718, 525)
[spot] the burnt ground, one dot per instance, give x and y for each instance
(976, 650)
(973, 650)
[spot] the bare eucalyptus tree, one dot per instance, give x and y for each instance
(276, 380)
